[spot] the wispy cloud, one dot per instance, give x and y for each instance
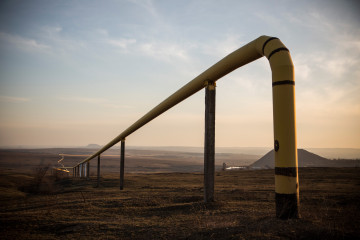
(157, 49)
(224, 46)
(95, 101)
(123, 43)
(22, 43)
(59, 41)
(173, 50)
(164, 50)
(336, 63)
(311, 19)
(339, 59)
(303, 68)
(148, 5)
(52, 31)
(49, 40)
(84, 99)
(9, 99)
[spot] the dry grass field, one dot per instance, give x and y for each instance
(170, 206)
(137, 161)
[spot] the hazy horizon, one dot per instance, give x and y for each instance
(78, 72)
(330, 153)
(153, 146)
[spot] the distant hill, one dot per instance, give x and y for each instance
(337, 153)
(305, 159)
(92, 145)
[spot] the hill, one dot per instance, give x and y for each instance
(93, 145)
(305, 159)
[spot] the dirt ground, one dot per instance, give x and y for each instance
(170, 206)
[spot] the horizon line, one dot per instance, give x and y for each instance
(148, 146)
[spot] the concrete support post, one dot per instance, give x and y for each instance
(80, 171)
(88, 170)
(209, 145)
(98, 171)
(122, 163)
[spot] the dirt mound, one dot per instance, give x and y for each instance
(305, 159)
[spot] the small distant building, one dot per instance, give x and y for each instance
(237, 168)
(225, 167)
(60, 172)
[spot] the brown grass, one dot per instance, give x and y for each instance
(170, 206)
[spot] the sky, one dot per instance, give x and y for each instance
(79, 72)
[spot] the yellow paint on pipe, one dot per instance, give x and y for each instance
(284, 117)
(284, 125)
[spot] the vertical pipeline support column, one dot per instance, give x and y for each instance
(286, 159)
(88, 170)
(82, 170)
(98, 171)
(85, 169)
(122, 163)
(209, 145)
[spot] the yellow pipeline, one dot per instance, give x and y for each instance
(238, 58)
(286, 162)
(283, 81)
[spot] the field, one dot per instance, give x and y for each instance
(136, 161)
(170, 206)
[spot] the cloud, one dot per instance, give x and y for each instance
(174, 50)
(52, 30)
(51, 39)
(166, 51)
(341, 52)
(9, 99)
(96, 101)
(60, 42)
(312, 20)
(222, 47)
(123, 43)
(22, 43)
(161, 50)
(335, 64)
(84, 99)
(147, 5)
(158, 49)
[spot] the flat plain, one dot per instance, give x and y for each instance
(170, 206)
